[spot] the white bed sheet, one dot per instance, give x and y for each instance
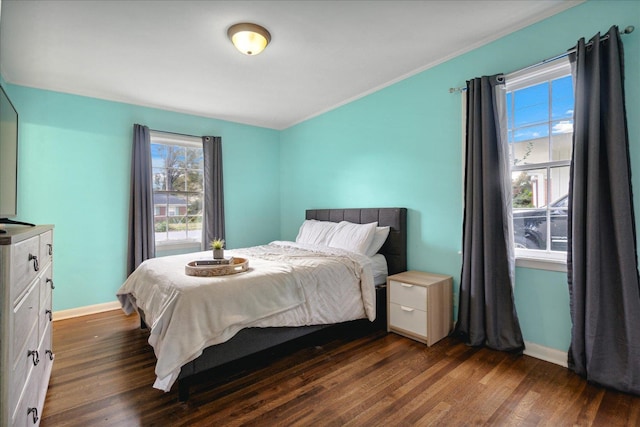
(288, 284)
(380, 269)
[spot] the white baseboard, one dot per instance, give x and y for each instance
(86, 310)
(547, 354)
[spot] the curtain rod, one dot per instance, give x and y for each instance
(175, 133)
(628, 30)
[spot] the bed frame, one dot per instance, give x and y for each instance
(252, 340)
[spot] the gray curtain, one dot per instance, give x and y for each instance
(141, 231)
(602, 262)
(487, 314)
(213, 222)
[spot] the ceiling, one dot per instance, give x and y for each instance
(175, 55)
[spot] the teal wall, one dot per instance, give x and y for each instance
(402, 146)
(74, 169)
(542, 302)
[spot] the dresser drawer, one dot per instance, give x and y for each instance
(24, 262)
(44, 368)
(28, 401)
(46, 248)
(45, 287)
(408, 318)
(46, 346)
(408, 295)
(22, 366)
(25, 319)
(46, 314)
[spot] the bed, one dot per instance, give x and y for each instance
(249, 337)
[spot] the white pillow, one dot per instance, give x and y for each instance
(353, 237)
(379, 237)
(316, 232)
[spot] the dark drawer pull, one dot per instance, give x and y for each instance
(36, 267)
(50, 314)
(34, 414)
(49, 281)
(49, 353)
(34, 356)
(50, 246)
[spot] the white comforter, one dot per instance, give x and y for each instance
(287, 284)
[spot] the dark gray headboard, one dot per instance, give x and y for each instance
(395, 248)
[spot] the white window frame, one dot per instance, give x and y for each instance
(540, 259)
(172, 139)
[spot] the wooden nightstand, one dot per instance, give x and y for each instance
(420, 305)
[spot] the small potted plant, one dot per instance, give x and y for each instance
(218, 248)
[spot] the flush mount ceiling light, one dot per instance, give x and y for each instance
(250, 39)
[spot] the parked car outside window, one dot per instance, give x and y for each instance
(530, 226)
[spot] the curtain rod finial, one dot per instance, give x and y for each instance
(629, 29)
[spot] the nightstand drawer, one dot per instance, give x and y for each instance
(408, 318)
(409, 295)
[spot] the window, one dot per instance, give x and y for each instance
(539, 106)
(178, 183)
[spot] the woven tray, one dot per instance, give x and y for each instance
(204, 268)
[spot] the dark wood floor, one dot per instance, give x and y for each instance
(103, 376)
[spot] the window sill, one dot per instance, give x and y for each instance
(542, 263)
(174, 245)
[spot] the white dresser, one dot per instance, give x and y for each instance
(26, 353)
(420, 305)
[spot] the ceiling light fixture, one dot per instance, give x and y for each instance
(250, 39)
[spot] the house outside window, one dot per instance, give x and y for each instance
(178, 190)
(539, 106)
